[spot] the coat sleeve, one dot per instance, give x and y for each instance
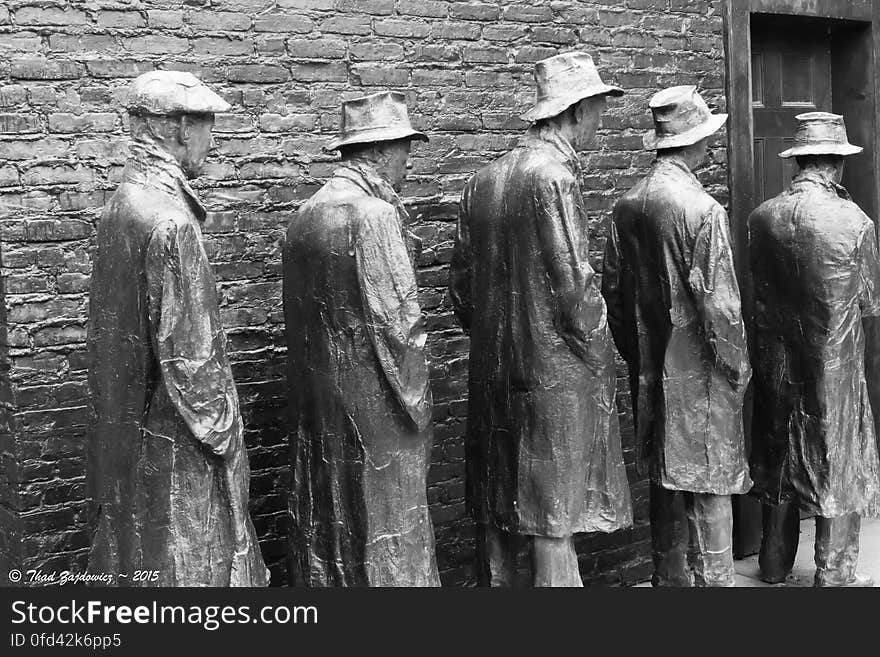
(563, 242)
(391, 305)
(188, 340)
(713, 283)
(612, 289)
(461, 268)
(869, 299)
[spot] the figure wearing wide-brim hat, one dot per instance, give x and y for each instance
(674, 309)
(816, 275)
(681, 118)
(820, 133)
(358, 373)
(562, 81)
(543, 453)
(381, 116)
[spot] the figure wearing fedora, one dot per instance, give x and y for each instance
(674, 310)
(167, 468)
(357, 371)
(816, 275)
(543, 450)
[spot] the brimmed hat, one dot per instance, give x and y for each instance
(378, 117)
(820, 133)
(172, 92)
(562, 81)
(681, 118)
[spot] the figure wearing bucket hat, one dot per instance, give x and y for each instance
(674, 310)
(357, 370)
(816, 276)
(156, 343)
(543, 452)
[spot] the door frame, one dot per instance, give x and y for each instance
(854, 95)
(740, 133)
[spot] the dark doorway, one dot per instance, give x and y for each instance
(796, 64)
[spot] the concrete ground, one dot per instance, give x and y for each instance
(804, 566)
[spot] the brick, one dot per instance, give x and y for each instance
(295, 122)
(427, 8)
(156, 45)
(401, 28)
(57, 174)
(257, 73)
(484, 55)
(369, 51)
(347, 25)
(378, 7)
(316, 48)
(164, 18)
(223, 46)
(320, 71)
(383, 76)
(38, 68)
(20, 42)
(12, 95)
(93, 122)
(49, 16)
(478, 11)
(120, 19)
(284, 23)
(8, 178)
(218, 20)
(19, 123)
(118, 68)
(82, 43)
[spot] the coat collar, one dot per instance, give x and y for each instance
(151, 166)
(549, 138)
(676, 164)
(808, 177)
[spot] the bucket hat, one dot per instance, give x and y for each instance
(820, 133)
(378, 117)
(562, 81)
(681, 118)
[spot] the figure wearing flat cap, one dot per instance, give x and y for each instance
(167, 466)
(544, 459)
(816, 275)
(674, 310)
(357, 372)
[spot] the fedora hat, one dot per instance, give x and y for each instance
(820, 133)
(172, 92)
(681, 118)
(564, 80)
(378, 117)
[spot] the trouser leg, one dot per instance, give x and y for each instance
(781, 527)
(837, 549)
(711, 533)
(669, 539)
(554, 562)
(496, 556)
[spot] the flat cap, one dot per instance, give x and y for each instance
(172, 92)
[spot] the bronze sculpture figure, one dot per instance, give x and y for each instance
(357, 371)
(543, 449)
(674, 309)
(167, 466)
(816, 275)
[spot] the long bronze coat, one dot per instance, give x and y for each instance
(543, 443)
(359, 393)
(674, 309)
(816, 275)
(167, 467)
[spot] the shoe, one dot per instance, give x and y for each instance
(858, 581)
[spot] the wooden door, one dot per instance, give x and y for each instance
(791, 74)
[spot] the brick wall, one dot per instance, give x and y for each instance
(284, 64)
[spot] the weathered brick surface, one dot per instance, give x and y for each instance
(284, 64)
